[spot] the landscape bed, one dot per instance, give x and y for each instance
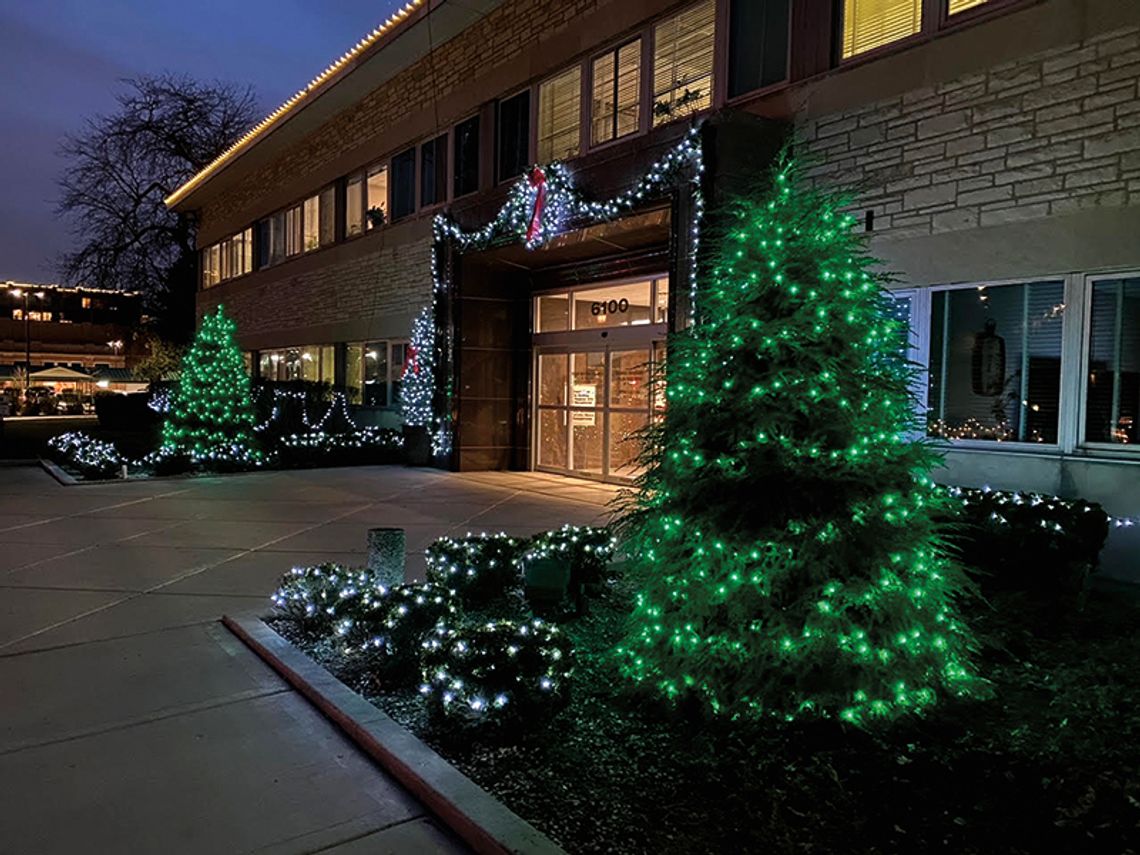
(1048, 763)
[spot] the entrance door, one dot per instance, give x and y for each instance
(590, 406)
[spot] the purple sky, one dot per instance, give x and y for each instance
(61, 60)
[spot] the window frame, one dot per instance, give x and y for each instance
(389, 344)
(453, 157)
(723, 59)
(719, 64)
(921, 309)
(1085, 283)
(531, 132)
(390, 163)
(644, 35)
(536, 99)
(421, 173)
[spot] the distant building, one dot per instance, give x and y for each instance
(90, 331)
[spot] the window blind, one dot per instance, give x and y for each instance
(868, 24)
(616, 108)
(559, 111)
(957, 6)
(683, 63)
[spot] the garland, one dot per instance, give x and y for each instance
(541, 205)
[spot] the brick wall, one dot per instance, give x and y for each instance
(347, 296)
(1046, 135)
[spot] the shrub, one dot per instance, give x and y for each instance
(496, 671)
(124, 412)
(90, 457)
(588, 548)
(366, 446)
(387, 626)
(480, 568)
(1040, 545)
(318, 597)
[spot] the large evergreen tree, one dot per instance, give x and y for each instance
(782, 533)
(211, 410)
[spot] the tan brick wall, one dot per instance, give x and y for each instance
(1046, 135)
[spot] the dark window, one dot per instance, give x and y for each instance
(271, 240)
(513, 136)
(404, 184)
(433, 171)
(758, 53)
(467, 156)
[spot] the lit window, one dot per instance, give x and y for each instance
(85, 302)
(376, 197)
(956, 6)
(211, 270)
(354, 205)
(374, 371)
(758, 45)
(683, 63)
(312, 223)
(616, 108)
(559, 114)
(1112, 391)
(995, 362)
(294, 236)
(869, 24)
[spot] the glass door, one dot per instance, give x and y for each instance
(590, 407)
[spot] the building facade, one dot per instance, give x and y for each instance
(85, 330)
(994, 146)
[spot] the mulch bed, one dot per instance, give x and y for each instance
(1050, 764)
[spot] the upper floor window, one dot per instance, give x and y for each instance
(615, 110)
(512, 136)
(870, 24)
(1112, 382)
(559, 116)
(318, 216)
(758, 45)
(433, 171)
(404, 184)
(294, 231)
(956, 6)
(271, 240)
(376, 195)
(228, 259)
(466, 157)
(354, 205)
(683, 62)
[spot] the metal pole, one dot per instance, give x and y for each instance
(27, 345)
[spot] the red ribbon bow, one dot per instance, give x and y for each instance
(538, 181)
(412, 364)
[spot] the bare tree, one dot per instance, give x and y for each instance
(123, 165)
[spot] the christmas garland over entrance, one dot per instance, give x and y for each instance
(541, 205)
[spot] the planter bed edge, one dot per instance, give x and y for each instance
(473, 814)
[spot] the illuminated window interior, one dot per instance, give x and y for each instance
(870, 24)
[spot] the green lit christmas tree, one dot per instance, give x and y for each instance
(211, 410)
(782, 533)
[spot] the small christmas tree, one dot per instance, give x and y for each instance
(782, 532)
(211, 411)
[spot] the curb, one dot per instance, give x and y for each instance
(58, 474)
(477, 817)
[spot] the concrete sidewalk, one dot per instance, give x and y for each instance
(131, 721)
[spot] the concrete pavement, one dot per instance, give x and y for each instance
(131, 721)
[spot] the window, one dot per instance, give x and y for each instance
(404, 184)
(294, 234)
(467, 156)
(616, 108)
(211, 268)
(1112, 383)
(512, 136)
(629, 304)
(995, 362)
(683, 62)
(354, 205)
(271, 240)
(869, 24)
(373, 372)
(758, 48)
(226, 260)
(327, 216)
(316, 363)
(376, 196)
(956, 6)
(433, 171)
(559, 115)
(312, 222)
